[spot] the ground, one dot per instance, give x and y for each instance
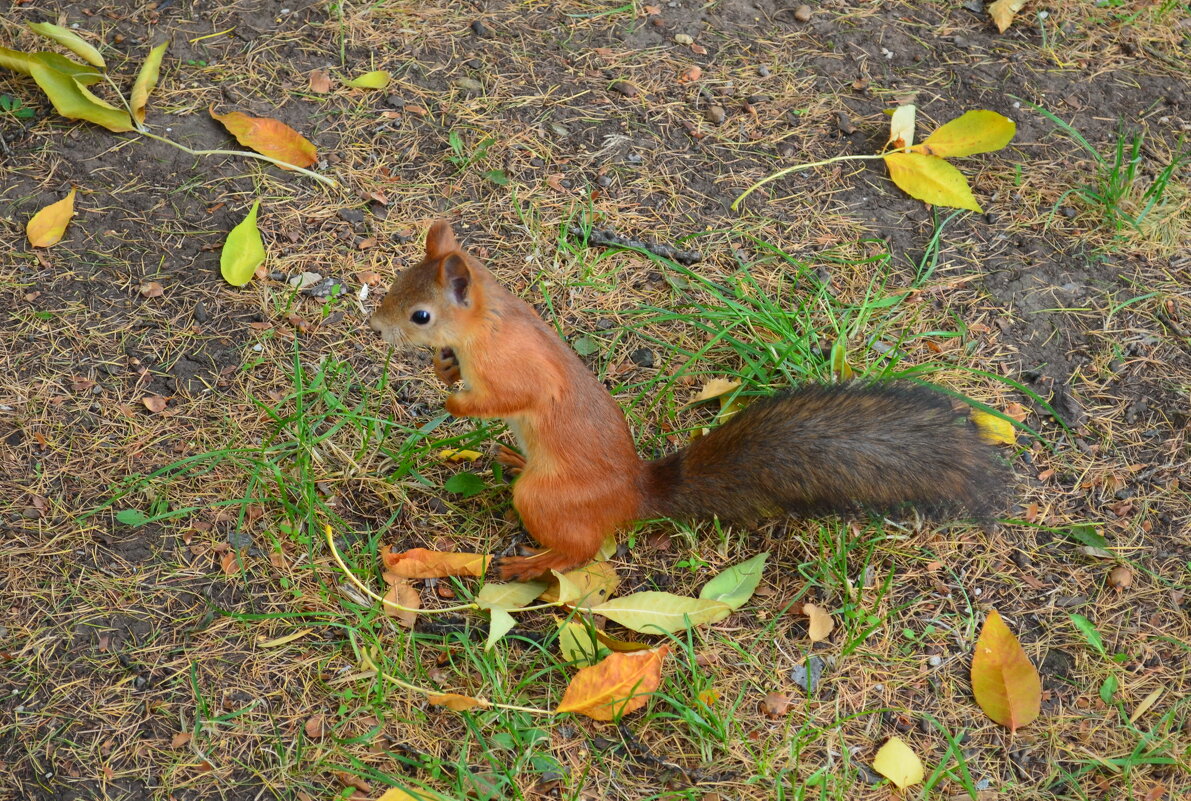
(206, 645)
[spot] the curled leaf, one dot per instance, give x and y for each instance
(70, 40)
(46, 227)
(72, 100)
(735, 585)
(618, 685)
(592, 585)
(243, 251)
(422, 563)
(901, 126)
(456, 702)
(994, 429)
(930, 179)
(377, 79)
(1005, 684)
(896, 762)
(269, 137)
(404, 595)
(979, 131)
(146, 80)
(1003, 12)
(821, 622)
(662, 612)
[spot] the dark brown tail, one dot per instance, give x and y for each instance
(821, 449)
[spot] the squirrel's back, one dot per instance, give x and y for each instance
(832, 448)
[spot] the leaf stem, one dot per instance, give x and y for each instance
(781, 173)
(308, 173)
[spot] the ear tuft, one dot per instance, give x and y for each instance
(455, 277)
(440, 240)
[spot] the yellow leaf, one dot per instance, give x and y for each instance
(243, 251)
(930, 179)
(896, 762)
(840, 369)
(70, 40)
(269, 137)
(821, 622)
(146, 80)
(422, 563)
(576, 643)
(901, 126)
(593, 585)
(1005, 684)
(994, 429)
(14, 60)
(1145, 704)
(662, 612)
(1003, 12)
(72, 100)
(613, 644)
(404, 595)
(456, 702)
(397, 794)
(46, 227)
(377, 79)
(513, 595)
(458, 455)
(500, 623)
(618, 685)
(979, 131)
(715, 388)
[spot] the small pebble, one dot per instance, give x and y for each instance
(844, 123)
(479, 28)
(1068, 212)
(935, 661)
(715, 114)
(763, 71)
(803, 13)
(469, 85)
(683, 39)
(642, 357)
(625, 88)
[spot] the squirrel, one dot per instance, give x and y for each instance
(810, 450)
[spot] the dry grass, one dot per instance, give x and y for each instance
(187, 658)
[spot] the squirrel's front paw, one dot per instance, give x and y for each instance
(446, 366)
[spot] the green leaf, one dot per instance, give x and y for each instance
(930, 179)
(70, 40)
(1088, 629)
(82, 73)
(1109, 689)
(585, 345)
(509, 596)
(243, 251)
(1086, 534)
(146, 80)
(577, 645)
(978, 131)
(500, 624)
(497, 177)
(132, 517)
(662, 612)
(737, 584)
(72, 100)
(377, 79)
(465, 484)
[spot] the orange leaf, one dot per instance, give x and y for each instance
(402, 593)
(620, 684)
(46, 227)
(1005, 684)
(455, 702)
(269, 137)
(421, 563)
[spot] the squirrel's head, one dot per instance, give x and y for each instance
(434, 302)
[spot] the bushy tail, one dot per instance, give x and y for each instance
(841, 448)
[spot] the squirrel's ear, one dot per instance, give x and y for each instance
(455, 277)
(440, 241)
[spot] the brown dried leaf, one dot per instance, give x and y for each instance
(316, 727)
(180, 739)
(821, 622)
(320, 82)
(269, 137)
(155, 403)
(152, 289)
(619, 684)
(775, 705)
(404, 594)
(423, 563)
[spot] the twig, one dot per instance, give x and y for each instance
(607, 238)
(308, 173)
(780, 173)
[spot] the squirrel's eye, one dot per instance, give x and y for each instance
(421, 317)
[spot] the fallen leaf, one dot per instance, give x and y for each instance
(320, 82)
(500, 623)
(930, 179)
(1005, 684)
(576, 643)
(455, 702)
(978, 131)
(662, 612)
(154, 403)
(715, 388)
(71, 41)
(243, 250)
(1146, 703)
(735, 585)
(623, 646)
(348, 780)
(180, 739)
(554, 181)
(422, 563)
(896, 762)
(46, 227)
(621, 683)
(377, 79)
(821, 622)
(592, 585)
(455, 454)
(513, 595)
(316, 727)
(901, 127)
(775, 705)
(397, 794)
(1155, 793)
(691, 74)
(403, 594)
(152, 289)
(146, 81)
(994, 429)
(70, 97)
(269, 137)
(1003, 12)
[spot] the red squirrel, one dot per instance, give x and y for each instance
(810, 450)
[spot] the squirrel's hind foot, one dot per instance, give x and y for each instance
(528, 568)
